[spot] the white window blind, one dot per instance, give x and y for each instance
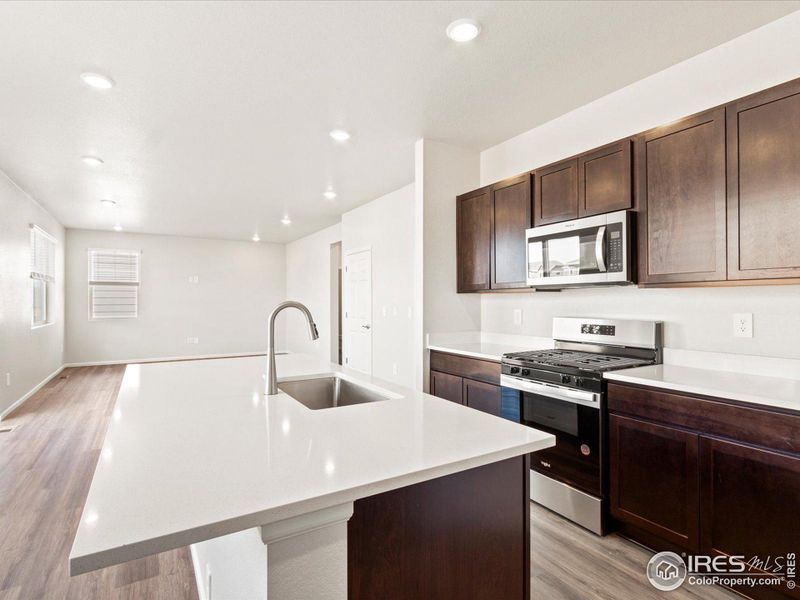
(43, 274)
(113, 284)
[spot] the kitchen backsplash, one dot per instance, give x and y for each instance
(695, 318)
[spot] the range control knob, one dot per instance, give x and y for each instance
(566, 379)
(526, 372)
(579, 382)
(514, 370)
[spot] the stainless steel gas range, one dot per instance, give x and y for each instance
(562, 391)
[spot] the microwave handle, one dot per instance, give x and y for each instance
(600, 249)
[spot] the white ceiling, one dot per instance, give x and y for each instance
(219, 121)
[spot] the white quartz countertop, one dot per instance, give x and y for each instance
(194, 450)
(763, 390)
(488, 350)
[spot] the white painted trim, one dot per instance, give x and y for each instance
(36, 388)
(137, 361)
(201, 588)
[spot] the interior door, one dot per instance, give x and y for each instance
(358, 310)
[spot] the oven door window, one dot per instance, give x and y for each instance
(554, 416)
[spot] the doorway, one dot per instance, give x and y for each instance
(336, 303)
(357, 297)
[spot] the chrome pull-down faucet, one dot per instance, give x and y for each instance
(272, 379)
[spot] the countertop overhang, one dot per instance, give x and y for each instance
(195, 450)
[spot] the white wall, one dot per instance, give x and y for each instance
(29, 355)
(441, 172)
(386, 226)
(239, 283)
(696, 318)
(762, 58)
(308, 280)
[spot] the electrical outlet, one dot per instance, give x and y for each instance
(383, 311)
(194, 279)
(743, 325)
(8, 379)
(394, 368)
(192, 340)
(517, 316)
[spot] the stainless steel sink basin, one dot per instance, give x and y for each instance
(330, 392)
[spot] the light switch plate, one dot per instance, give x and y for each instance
(517, 316)
(743, 325)
(8, 379)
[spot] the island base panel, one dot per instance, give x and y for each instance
(463, 536)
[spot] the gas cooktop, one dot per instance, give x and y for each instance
(574, 359)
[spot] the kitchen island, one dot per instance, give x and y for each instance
(369, 500)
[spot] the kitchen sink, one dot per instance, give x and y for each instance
(331, 392)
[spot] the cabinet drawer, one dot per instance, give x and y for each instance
(472, 368)
(767, 428)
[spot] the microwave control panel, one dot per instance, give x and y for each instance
(616, 252)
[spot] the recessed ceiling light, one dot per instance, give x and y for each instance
(117, 227)
(329, 195)
(92, 161)
(340, 135)
(463, 30)
(108, 201)
(286, 221)
(256, 238)
(97, 81)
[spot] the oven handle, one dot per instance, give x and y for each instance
(552, 391)
(600, 249)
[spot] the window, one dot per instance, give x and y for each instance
(43, 276)
(113, 284)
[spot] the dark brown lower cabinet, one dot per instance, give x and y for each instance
(678, 482)
(449, 387)
(464, 537)
(654, 479)
(750, 499)
(482, 396)
(471, 381)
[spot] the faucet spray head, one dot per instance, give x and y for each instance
(313, 328)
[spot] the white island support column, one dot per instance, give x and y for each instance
(307, 555)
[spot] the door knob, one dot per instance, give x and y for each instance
(365, 326)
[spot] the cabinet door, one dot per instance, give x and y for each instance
(681, 179)
(654, 487)
(473, 240)
(764, 184)
(511, 201)
(750, 499)
(482, 396)
(604, 179)
(444, 385)
(556, 192)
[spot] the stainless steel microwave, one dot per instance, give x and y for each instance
(583, 252)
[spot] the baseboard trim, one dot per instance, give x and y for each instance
(36, 388)
(137, 361)
(201, 588)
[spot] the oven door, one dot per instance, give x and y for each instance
(574, 418)
(583, 251)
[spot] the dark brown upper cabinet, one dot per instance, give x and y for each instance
(474, 216)
(682, 201)
(511, 203)
(764, 184)
(604, 179)
(556, 192)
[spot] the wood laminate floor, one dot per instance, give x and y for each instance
(46, 466)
